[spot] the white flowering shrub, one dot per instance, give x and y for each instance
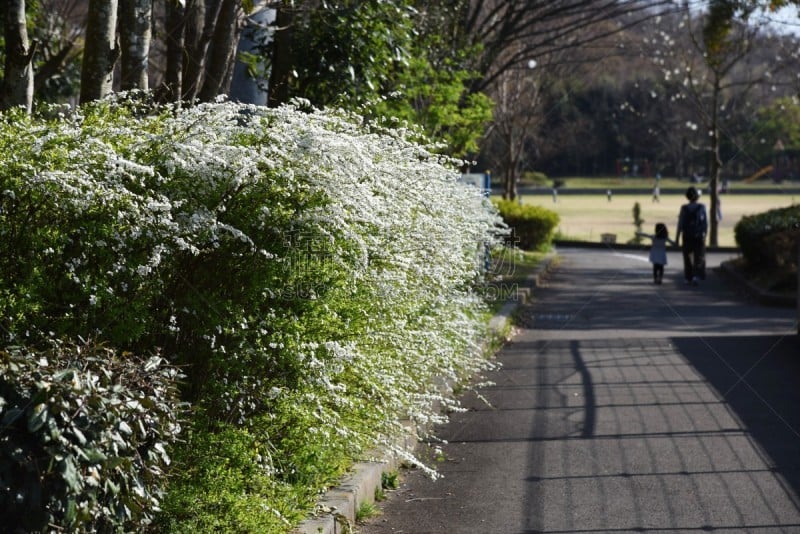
(310, 274)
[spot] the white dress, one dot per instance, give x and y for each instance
(658, 252)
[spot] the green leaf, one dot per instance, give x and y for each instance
(78, 434)
(70, 474)
(95, 456)
(71, 512)
(38, 417)
(66, 374)
(152, 363)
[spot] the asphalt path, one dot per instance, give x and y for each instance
(621, 406)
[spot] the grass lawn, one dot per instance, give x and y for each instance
(604, 182)
(586, 217)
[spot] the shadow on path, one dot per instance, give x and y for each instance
(758, 377)
(672, 435)
(621, 406)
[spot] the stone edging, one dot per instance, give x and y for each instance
(338, 506)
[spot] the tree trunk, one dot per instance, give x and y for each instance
(173, 75)
(100, 52)
(18, 80)
(222, 51)
(135, 30)
(201, 17)
(715, 165)
(510, 191)
(280, 66)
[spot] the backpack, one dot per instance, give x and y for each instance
(694, 221)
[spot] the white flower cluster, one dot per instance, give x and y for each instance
(361, 243)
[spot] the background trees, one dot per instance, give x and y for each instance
(723, 59)
(608, 91)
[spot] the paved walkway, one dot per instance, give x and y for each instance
(623, 406)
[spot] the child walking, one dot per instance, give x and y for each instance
(658, 251)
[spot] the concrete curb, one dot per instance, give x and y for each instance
(522, 294)
(338, 507)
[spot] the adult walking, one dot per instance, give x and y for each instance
(692, 227)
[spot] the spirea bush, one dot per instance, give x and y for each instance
(310, 274)
(84, 433)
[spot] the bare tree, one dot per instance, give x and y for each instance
(517, 96)
(719, 76)
(101, 50)
(513, 32)
(201, 19)
(175, 49)
(200, 43)
(18, 79)
(280, 67)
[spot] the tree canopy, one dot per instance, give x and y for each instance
(443, 67)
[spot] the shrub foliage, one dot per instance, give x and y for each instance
(84, 433)
(309, 274)
(769, 239)
(532, 227)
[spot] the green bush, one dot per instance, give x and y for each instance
(85, 438)
(769, 240)
(532, 227)
(281, 258)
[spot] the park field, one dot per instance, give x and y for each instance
(585, 217)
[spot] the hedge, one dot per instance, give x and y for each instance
(84, 433)
(532, 227)
(769, 239)
(308, 273)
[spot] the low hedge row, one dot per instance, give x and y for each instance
(769, 240)
(282, 259)
(532, 227)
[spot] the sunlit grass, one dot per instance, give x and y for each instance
(604, 182)
(587, 217)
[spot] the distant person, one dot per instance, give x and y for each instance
(656, 192)
(608, 194)
(692, 227)
(658, 250)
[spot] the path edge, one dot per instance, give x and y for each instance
(337, 508)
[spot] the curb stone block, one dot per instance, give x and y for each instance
(340, 504)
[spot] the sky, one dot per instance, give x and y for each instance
(786, 20)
